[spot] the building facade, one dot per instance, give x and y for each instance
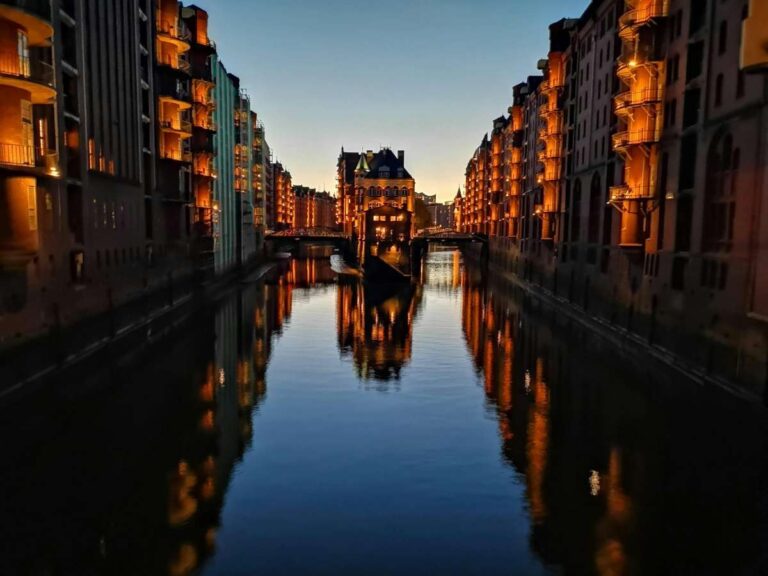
(107, 157)
(313, 209)
(374, 188)
(635, 178)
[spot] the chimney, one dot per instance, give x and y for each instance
(401, 156)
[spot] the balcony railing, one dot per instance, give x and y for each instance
(636, 137)
(175, 30)
(40, 8)
(178, 155)
(28, 156)
(32, 69)
(632, 98)
(625, 192)
(634, 18)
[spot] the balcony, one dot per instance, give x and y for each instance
(633, 19)
(174, 32)
(633, 98)
(206, 171)
(177, 155)
(30, 74)
(622, 140)
(19, 156)
(754, 44)
(32, 15)
(627, 66)
(624, 192)
(182, 127)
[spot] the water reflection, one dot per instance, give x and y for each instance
(622, 471)
(375, 327)
(626, 472)
(125, 471)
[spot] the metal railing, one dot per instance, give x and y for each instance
(638, 97)
(626, 138)
(175, 30)
(637, 17)
(20, 155)
(625, 192)
(32, 69)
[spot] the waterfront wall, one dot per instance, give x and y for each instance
(727, 349)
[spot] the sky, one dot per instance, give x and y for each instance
(424, 76)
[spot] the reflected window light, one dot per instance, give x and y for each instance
(527, 380)
(222, 377)
(594, 482)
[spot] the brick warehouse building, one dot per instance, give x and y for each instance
(108, 166)
(635, 178)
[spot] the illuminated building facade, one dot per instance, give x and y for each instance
(107, 157)
(313, 209)
(201, 59)
(173, 205)
(374, 188)
(634, 169)
(283, 198)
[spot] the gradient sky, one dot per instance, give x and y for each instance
(426, 76)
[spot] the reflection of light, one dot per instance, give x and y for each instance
(527, 380)
(632, 63)
(594, 483)
(222, 377)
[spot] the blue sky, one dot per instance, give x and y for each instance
(426, 76)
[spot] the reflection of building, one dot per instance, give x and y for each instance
(375, 327)
(574, 424)
(376, 195)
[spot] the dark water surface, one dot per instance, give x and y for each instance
(310, 427)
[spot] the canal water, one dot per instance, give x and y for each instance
(309, 426)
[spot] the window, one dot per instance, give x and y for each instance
(595, 205)
(683, 223)
(720, 203)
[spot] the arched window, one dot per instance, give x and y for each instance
(371, 192)
(720, 204)
(387, 192)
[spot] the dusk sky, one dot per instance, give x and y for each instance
(426, 76)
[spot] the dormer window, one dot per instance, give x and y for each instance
(400, 172)
(384, 172)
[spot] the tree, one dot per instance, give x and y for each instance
(422, 217)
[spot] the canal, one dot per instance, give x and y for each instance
(309, 426)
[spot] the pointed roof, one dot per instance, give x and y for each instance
(362, 165)
(458, 193)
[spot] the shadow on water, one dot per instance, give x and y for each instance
(625, 470)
